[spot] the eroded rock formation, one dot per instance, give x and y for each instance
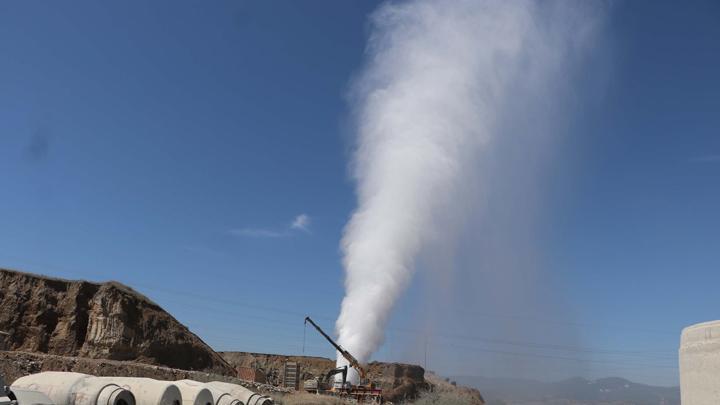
(99, 321)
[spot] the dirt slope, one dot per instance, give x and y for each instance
(99, 321)
(398, 381)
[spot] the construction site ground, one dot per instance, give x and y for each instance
(15, 364)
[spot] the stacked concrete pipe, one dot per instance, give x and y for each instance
(148, 391)
(243, 394)
(194, 393)
(221, 397)
(64, 388)
(700, 364)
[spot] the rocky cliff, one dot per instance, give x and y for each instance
(100, 321)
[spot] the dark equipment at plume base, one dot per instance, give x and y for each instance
(327, 385)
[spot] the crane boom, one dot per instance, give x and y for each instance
(349, 357)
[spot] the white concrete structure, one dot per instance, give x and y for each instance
(65, 388)
(221, 397)
(246, 396)
(27, 397)
(148, 391)
(194, 393)
(700, 364)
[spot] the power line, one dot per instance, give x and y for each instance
(479, 349)
(285, 311)
(570, 323)
(330, 318)
(289, 312)
(563, 358)
(536, 345)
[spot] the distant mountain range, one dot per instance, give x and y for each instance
(574, 391)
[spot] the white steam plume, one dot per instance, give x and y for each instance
(440, 77)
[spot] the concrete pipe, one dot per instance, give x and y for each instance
(245, 395)
(700, 364)
(92, 391)
(56, 385)
(221, 397)
(24, 396)
(65, 388)
(148, 391)
(194, 393)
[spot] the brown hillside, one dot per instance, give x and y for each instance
(99, 321)
(398, 381)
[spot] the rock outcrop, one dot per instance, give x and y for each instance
(98, 321)
(272, 365)
(398, 381)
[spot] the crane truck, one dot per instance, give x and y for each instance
(363, 392)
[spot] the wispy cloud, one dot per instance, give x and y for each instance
(299, 223)
(706, 158)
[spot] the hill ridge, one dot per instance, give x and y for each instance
(107, 320)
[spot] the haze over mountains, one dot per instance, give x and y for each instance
(573, 391)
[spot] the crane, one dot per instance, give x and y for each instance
(363, 393)
(354, 363)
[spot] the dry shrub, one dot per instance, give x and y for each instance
(304, 398)
(444, 398)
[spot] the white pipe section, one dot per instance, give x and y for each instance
(194, 393)
(65, 388)
(56, 385)
(700, 364)
(149, 391)
(92, 391)
(24, 396)
(221, 397)
(224, 398)
(245, 395)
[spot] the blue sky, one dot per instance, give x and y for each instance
(173, 145)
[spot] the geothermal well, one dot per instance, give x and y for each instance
(700, 364)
